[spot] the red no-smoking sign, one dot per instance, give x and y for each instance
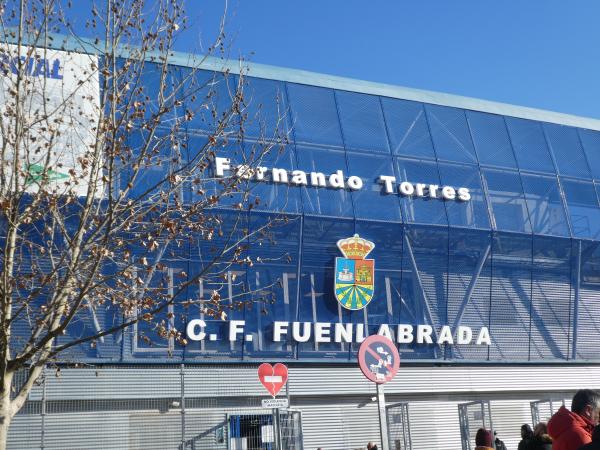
(378, 359)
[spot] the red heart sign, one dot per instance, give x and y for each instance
(273, 378)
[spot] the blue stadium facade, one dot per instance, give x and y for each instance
(520, 257)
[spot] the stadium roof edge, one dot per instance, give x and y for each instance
(342, 83)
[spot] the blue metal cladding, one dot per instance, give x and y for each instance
(420, 210)
(591, 146)
(545, 205)
(471, 214)
(407, 128)
(314, 115)
(491, 139)
(521, 257)
(567, 150)
(450, 133)
(507, 201)
(371, 202)
(583, 207)
(362, 122)
(529, 145)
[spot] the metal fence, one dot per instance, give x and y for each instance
(145, 408)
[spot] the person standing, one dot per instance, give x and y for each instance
(484, 439)
(541, 440)
(595, 444)
(526, 437)
(498, 443)
(572, 429)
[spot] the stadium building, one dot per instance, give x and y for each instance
(467, 231)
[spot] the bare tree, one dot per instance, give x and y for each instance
(101, 183)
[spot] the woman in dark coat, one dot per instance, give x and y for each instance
(526, 437)
(541, 439)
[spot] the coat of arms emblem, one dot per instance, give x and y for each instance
(354, 275)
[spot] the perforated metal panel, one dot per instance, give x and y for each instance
(543, 410)
(473, 416)
(398, 423)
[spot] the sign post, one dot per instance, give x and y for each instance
(379, 361)
(383, 429)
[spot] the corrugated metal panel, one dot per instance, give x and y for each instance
(508, 416)
(235, 381)
(24, 432)
(339, 425)
(136, 407)
(434, 425)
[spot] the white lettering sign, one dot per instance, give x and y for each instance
(338, 180)
(323, 332)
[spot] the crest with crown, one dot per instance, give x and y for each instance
(355, 247)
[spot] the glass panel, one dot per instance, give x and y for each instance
(472, 213)
(208, 96)
(491, 139)
(268, 194)
(451, 136)
(545, 205)
(272, 297)
(372, 201)
(588, 312)
(386, 305)
(314, 115)
(226, 191)
(317, 302)
(551, 298)
(273, 280)
(164, 155)
(582, 203)
(424, 286)
(510, 298)
(591, 145)
(259, 191)
(231, 285)
(151, 75)
(407, 128)
(567, 150)
(266, 108)
(324, 200)
(420, 209)
(530, 145)
(507, 200)
(362, 121)
(469, 283)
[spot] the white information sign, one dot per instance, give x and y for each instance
(272, 403)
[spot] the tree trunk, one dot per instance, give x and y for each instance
(5, 410)
(4, 424)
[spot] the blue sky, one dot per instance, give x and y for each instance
(538, 53)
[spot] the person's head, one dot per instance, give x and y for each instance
(483, 438)
(526, 431)
(586, 403)
(371, 446)
(540, 429)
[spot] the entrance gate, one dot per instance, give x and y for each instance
(398, 426)
(472, 416)
(277, 429)
(542, 410)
